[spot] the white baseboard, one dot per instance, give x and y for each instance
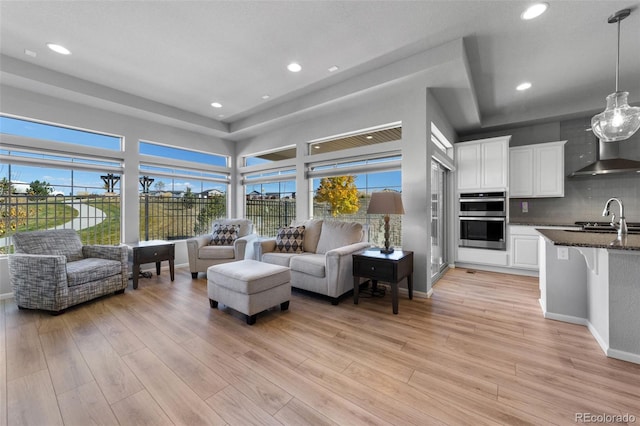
(6, 296)
(566, 318)
(601, 342)
(405, 291)
(624, 356)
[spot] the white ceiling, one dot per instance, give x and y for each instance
(171, 59)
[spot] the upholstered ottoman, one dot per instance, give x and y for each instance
(249, 286)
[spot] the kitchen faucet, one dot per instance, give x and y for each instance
(621, 226)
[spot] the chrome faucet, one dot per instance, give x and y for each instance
(621, 226)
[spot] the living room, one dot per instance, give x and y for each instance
(426, 77)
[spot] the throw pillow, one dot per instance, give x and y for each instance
(224, 235)
(290, 239)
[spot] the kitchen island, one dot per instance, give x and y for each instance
(593, 279)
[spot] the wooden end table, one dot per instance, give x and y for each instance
(390, 268)
(151, 251)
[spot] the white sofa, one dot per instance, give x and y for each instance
(325, 266)
(202, 254)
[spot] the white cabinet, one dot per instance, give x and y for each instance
(524, 244)
(483, 164)
(524, 247)
(537, 171)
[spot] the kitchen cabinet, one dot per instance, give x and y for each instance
(483, 164)
(524, 245)
(537, 171)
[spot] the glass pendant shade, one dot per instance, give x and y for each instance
(618, 121)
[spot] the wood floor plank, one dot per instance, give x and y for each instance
(109, 370)
(297, 413)
(262, 392)
(67, 366)
(236, 409)
(478, 351)
(31, 400)
(86, 405)
(335, 407)
(180, 403)
(140, 409)
(24, 352)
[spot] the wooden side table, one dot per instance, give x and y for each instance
(389, 268)
(151, 251)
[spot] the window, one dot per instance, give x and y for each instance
(180, 201)
(52, 176)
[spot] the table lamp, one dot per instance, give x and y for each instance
(386, 203)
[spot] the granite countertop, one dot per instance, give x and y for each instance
(608, 240)
(542, 222)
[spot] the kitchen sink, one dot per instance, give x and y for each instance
(606, 228)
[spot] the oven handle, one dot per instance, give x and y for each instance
(479, 200)
(492, 219)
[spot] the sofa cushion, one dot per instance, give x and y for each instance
(313, 264)
(224, 235)
(277, 258)
(216, 252)
(338, 234)
(312, 228)
(290, 239)
(91, 269)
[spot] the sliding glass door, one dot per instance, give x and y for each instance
(438, 219)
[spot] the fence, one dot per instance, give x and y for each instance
(97, 218)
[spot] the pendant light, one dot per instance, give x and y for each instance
(619, 120)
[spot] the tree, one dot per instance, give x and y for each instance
(188, 199)
(40, 189)
(341, 193)
(5, 186)
(216, 207)
(159, 186)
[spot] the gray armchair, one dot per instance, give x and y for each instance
(203, 254)
(51, 270)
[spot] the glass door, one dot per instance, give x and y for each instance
(438, 219)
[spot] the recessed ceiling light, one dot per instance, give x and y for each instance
(534, 11)
(369, 137)
(294, 67)
(523, 86)
(316, 146)
(333, 69)
(216, 104)
(220, 115)
(59, 49)
(30, 53)
(265, 97)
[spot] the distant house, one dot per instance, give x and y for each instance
(20, 187)
(254, 195)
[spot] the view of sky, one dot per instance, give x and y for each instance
(66, 181)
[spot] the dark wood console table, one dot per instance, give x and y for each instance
(149, 252)
(390, 268)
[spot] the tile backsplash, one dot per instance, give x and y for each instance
(585, 196)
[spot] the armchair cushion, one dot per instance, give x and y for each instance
(290, 239)
(224, 235)
(216, 252)
(91, 269)
(338, 234)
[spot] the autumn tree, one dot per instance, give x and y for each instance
(341, 193)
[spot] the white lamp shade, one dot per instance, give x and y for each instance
(385, 202)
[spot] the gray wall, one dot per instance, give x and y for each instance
(584, 196)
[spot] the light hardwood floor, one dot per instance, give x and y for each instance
(478, 352)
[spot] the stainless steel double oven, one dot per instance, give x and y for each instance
(483, 220)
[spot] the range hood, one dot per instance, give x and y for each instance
(608, 162)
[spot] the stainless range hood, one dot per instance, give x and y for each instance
(608, 162)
